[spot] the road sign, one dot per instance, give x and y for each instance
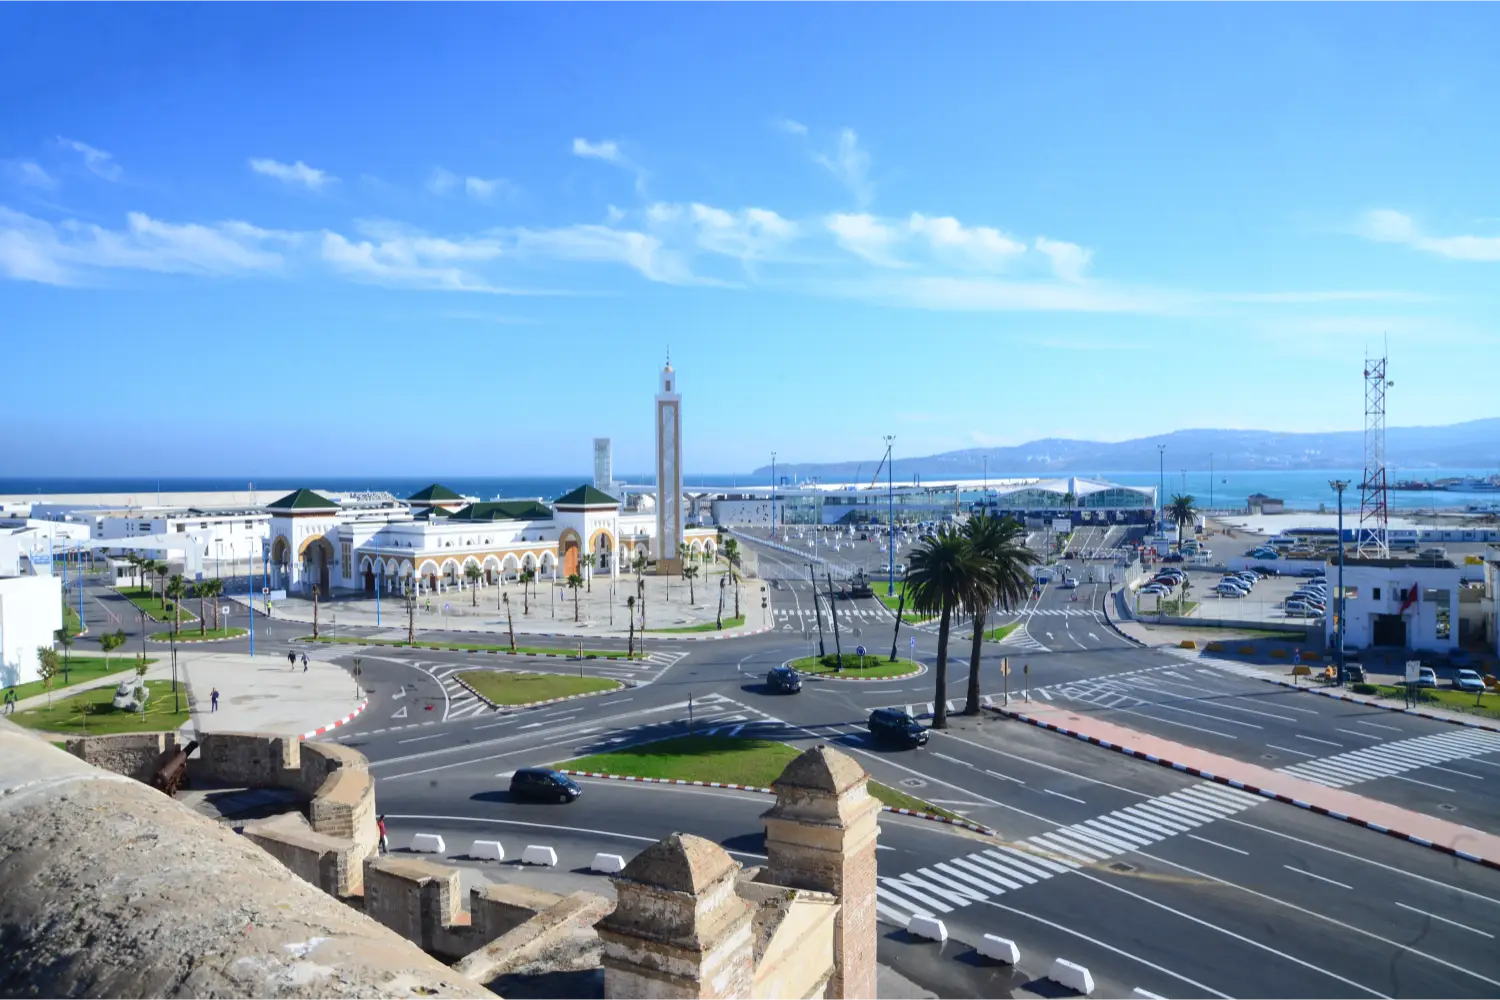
(1005, 667)
(913, 642)
(1412, 667)
(859, 651)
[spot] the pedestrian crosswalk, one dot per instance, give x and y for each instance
(1394, 758)
(462, 704)
(972, 878)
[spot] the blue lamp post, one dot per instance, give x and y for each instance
(890, 462)
(1339, 485)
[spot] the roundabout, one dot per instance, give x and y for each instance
(860, 668)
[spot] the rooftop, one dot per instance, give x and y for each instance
(586, 496)
(436, 493)
(503, 510)
(302, 500)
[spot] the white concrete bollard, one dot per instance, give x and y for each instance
(1000, 949)
(535, 854)
(609, 864)
(490, 850)
(428, 843)
(1146, 994)
(927, 927)
(1072, 975)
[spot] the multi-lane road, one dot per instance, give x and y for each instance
(1153, 879)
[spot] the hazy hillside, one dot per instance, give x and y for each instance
(1475, 444)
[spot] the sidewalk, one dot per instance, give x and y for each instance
(265, 694)
(1426, 831)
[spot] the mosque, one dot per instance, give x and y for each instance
(430, 541)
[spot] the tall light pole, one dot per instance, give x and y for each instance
(1339, 485)
(1161, 488)
(773, 496)
(890, 473)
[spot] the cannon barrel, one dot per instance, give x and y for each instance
(171, 770)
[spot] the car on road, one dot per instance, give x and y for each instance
(784, 680)
(541, 784)
(1426, 678)
(1468, 680)
(894, 727)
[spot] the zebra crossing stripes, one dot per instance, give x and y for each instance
(949, 885)
(1385, 760)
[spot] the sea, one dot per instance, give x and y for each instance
(1225, 489)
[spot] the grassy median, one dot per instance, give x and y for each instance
(473, 647)
(729, 759)
(91, 713)
(1451, 699)
(734, 622)
(1001, 631)
(873, 665)
(80, 670)
(507, 688)
(155, 607)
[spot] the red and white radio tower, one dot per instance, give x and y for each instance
(1371, 541)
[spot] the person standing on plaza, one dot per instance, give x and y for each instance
(213, 699)
(304, 663)
(385, 844)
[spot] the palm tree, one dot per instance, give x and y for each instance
(162, 571)
(174, 589)
(472, 573)
(510, 622)
(630, 607)
(212, 589)
(942, 574)
(1181, 510)
(315, 610)
(586, 562)
(1068, 499)
(527, 575)
(999, 546)
(691, 573)
(575, 583)
(731, 551)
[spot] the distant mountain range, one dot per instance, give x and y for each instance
(1475, 444)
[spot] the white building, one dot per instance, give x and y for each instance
(30, 615)
(230, 535)
(1407, 603)
(604, 466)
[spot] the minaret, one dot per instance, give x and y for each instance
(668, 473)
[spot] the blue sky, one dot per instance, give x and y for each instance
(460, 238)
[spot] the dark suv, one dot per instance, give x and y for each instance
(895, 727)
(541, 784)
(784, 680)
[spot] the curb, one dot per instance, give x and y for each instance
(964, 824)
(921, 669)
(624, 685)
(1108, 620)
(707, 637)
(459, 649)
(341, 722)
(194, 642)
(1372, 703)
(1255, 790)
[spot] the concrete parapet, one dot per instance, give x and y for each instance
(134, 755)
(251, 760)
(330, 863)
(556, 926)
(417, 899)
(498, 909)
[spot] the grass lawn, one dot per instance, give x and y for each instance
(1447, 698)
(731, 759)
(154, 606)
(521, 689)
(875, 665)
(1001, 631)
(192, 633)
(894, 601)
(1177, 608)
(82, 668)
(474, 647)
(63, 715)
(71, 622)
(705, 627)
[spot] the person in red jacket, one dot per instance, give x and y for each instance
(385, 844)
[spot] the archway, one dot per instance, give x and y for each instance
(316, 554)
(568, 548)
(367, 571)
(602, 546)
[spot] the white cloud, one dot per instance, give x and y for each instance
(866, 236)
(442, 182)
(972, 246)
(748, 235)
(98, 162)
(30, 174)
(644, 252)
(1068, 259)
(418, 262)
(850, 165)
(1384, 225)
(790, 127)
(609, 151)
(293, 173)
(613, 215)
(944, 293)
(484, 190)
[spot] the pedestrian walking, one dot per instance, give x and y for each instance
(304, 663)
(10, 700)
(213, 698)
(385, 844)
(291, 657)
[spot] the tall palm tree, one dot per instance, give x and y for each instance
(510, 622)
(586, 562)
(691, 572)
(682, 556)
(732, 550)
(630, 609)
(527, 575)
(472, 573)
(214, 589)
(175, 589)
(941, 575)
(1182, 509)
(575, 583)
(200, 591)
(999, 546)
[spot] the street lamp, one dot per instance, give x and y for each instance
(1338, 486)
(1161, 487)
(890, 513)
(773, 495)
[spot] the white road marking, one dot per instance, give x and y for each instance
(418, 739)
(1320, 878)
(1314, 739)
(1215, 843)
(401, 714)
(1445, 920)
(1300, 753)
(1062, 796)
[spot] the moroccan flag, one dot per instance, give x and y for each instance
(1408, 599)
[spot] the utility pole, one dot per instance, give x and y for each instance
(833, 610)
(773, 496)
(1339, 485)
(1161, 488)
(891, 511)
(817, 609)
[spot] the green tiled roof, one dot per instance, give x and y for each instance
(586, 495)
(303, 500)
(502, 510)
(436, 493)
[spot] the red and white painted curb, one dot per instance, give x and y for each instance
(549, 701)
(1255, 790)
(964, 824)
(341, 722)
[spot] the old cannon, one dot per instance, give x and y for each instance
(171, 769)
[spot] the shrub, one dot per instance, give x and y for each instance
(1362, 688)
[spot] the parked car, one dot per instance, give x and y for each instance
(1231, 582)
(1268, 571)
(1468, 680)
(1175, 575)
(1353, 672)
(1426, 678)
(895, 727)
(1229, 590)
(541, 784)
(784, 680)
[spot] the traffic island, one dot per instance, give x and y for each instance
(735, 762)
(713, 626)
(207, 635)
(474, 647)
(509, 689)
(856, 667)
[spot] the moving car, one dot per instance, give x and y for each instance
(541, 784)
(784, 680)
(1468, 680)
(893, 726)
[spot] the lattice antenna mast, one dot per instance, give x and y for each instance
(1372, 539)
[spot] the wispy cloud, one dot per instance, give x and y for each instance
(296, 174)
(1068, 259)
(850, 165)
(97, 161)
(966, 246)
(867, 237)
(443, 182)
(407, 261)
(749, 235)
(644, 252)
(1384, 225)
(789, 126)
(609, 151)
(974, 294)
(28, 173)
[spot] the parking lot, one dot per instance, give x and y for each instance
(1264, 603)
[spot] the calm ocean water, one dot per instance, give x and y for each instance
(1227, 488)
